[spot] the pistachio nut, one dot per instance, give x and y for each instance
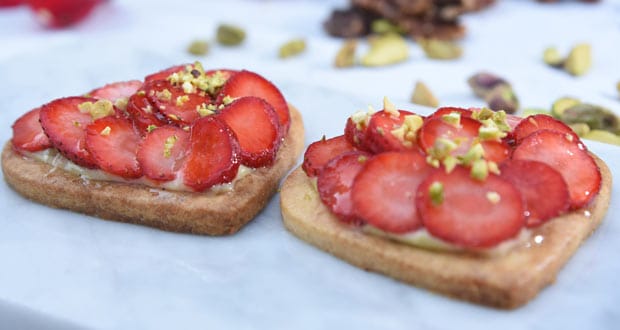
(534, 111)
(552, 57)
(422, 95)
(561, 104)
(603, 136)
(346, 55)
(230, 35)
(579, 60)
(580, 129)
(198, 47)
(292, 48)
(387, 49)
(502, 97)
(483, 82)
(440, 49)
(596, 117)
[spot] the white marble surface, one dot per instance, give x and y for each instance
(64, 269)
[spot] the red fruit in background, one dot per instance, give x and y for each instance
(10, 3)
(336, 180)
(544, 191)
(61, 13)
(28, 134)
(256, 127)
(322, 151)
(162, 152)
(385, 189)
(65, 125)
(113, 142)
(470, 213)
(213, 156)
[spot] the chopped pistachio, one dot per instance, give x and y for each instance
(435, 191)
(579, 60)
(188, 87)
(432, 161)
(475, 152)
(440, 49)
(383, 26)
(561, 104)
(141, 93)
(362, 159)
(227, 100)
(493, 168)
(205, 109)
(182, 99)
(106, 131)
(442, 148)
(453, 118)
(292, 48)
(150, 128)
(450, 163)
(390, 108)
(198, 47)
(168, 145)
(164, 95)
(552, 57)
(603, 136)
(596, 117)
(479, 170)
(580, 129)
(486, 133)
(493, 197)
(230, 35)
(99, 109)
(406, 133)
(422, 95)
(385, 50)
(121, 103)
(346, 55)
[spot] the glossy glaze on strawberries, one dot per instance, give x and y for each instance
(471, 178)
(183, 127)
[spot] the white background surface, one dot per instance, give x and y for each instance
(60, 268)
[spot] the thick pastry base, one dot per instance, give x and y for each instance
(189, 212)
(506, 281)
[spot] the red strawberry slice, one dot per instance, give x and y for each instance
(117, 90)
(143, 114)
(65, 125)
(213, 156)
(164, 74)
(569, 157)
(162, 152)
(535, 179)
(534, 123)
(61, 13)
(28, 134)
(226, 73)
(384, 191)
(255, 125)
(448, 110)
(335, 182)
(321, 152)
(379, 137)
(465, 132)
(114, 142)
(356, 135)
(467, 212)
(176, 105)
(246, 83)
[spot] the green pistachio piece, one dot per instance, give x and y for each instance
(580, 129)
(435, 192)
(561, 104)
(422, 95)
(603, 136)
(292, 48)
(479, 170)
(440, 49)
(596, 117)
(618, 87)
(535, 111)
(552, 57)
(579, 60)
(385, 50)
(346, 55)
(502, 97)
(198, 47)
(383, 26)
(230, 35)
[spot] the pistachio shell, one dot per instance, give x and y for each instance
(603, 136)
(561, 104)
(422, 95)
(579, 60)
(292, 48)
(596, 117)
(385, 50)
(552, 57)
(440, 49)
(346, 55)
(198, 47)
(230, 35)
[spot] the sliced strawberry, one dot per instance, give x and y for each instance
(246, 83)
(356, 135)
(174, 103)
(534, 179)
(467, 212)
(113, 142)
(512, 121)
(226, 73)
(379, 136)
(569, 157)
(143, 114)
(448, 110)
(465, 133)
(28, 134)
(164, 74)
(322, 151)
(65, 125)
(117, 90)
(162, 152)
(384, 191)
(213, 156)
(534, 123)
(255, 125)
(335, 181)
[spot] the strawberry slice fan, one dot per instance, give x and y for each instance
(463, 175)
